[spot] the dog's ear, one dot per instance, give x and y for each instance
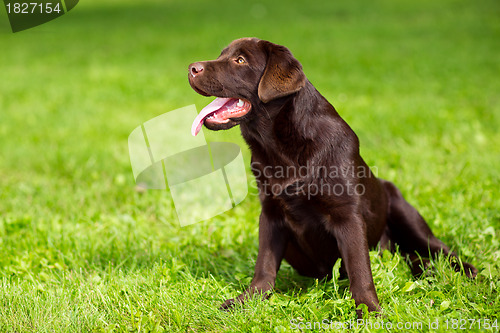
(283, 74)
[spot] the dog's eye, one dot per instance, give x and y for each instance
(240, 60)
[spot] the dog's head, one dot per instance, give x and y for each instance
(247, 74)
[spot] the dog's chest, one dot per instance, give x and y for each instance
(307, 227)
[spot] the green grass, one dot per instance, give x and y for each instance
(82, 250)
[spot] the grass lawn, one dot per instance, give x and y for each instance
(81, 250)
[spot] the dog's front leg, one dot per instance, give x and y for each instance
(272, 245)
(351, 238)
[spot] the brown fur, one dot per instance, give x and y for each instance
(291, 125)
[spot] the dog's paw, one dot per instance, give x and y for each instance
(469, 270)
(363, 310)
(232, 302)
(249, 293)
(227, 305)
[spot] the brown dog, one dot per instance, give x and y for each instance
(320, 201)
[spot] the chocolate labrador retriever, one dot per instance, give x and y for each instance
(320, 201)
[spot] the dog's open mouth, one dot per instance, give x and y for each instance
(220, 111)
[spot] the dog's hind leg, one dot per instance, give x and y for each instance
(408, 229)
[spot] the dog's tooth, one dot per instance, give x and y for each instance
(240, 103)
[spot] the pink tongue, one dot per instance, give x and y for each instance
(214, 106)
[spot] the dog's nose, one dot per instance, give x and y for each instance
(196, 68)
